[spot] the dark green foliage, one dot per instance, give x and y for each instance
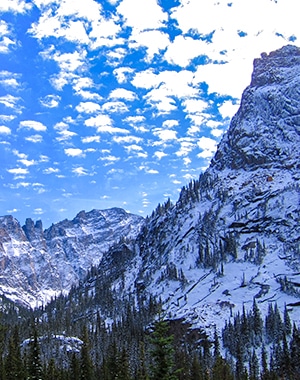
(34, 365)
(86, 365)
(13, 364)
(125, 349)
(162, 353)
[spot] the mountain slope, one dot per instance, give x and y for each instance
(37, 264)
(234, 234)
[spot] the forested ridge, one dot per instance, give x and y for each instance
(69, 339)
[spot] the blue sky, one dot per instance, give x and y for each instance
(121, 102)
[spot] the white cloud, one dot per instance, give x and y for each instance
(123, 74)
(90, 139)
(183, 49)
(9, 79)
(15, 6)
(116, 107)
(65, 135)
(80, 171)
(208, 147)
(38, 211)
(70, 62)
(127, 139)
(228, 109)
(122, 93)
(7, 118)
(4, 130)
(159, 154)
(110, 159)
(34, 138)
(170, 123)
(27, 163)
(104, 124)
(224, 23)
(133, 148)
(99, 120)
(74, 152)
(18, 171)
(50, 101)
(32, 124)
(11, 101)
(186, 146)
(154, 40)
(142, 15)
(195, 106)
(152, 171)
(165, 87)
(6, 40)
(165, 134)
(88, 107)
(51, 170)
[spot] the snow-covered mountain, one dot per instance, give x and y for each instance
(37, 264)
(232, 236)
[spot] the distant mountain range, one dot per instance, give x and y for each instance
(232, 236)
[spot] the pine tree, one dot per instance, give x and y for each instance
(295, 352)
(264, 364)
(257, 323)
(254, 367)
(34, 365)
(86, 366)
(123, 366)
(14, 365)
(196, 371)
(75, 367)
(287, 321)
(221, 370)
(162, 367)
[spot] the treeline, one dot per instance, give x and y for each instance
(63, 342)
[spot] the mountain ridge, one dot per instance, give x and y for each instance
(37, 264)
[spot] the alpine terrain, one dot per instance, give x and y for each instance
(223, 263)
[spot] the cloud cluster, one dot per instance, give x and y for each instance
(135, 94)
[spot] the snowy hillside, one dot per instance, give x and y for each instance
(233, 235)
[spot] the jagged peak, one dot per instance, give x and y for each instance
(264, 132)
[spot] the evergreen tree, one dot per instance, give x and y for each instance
(34, 365)
(295, 352)
(264, 364)
(123, 366)
(221, 370)
(86, 366)
(196, 371)
(162, 366)
(254, 367)
(287, 321)
(75, 367)
(14, 365)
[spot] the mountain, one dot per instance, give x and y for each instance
(38, 264)
(232, 236)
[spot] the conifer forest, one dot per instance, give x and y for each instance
(68, 339)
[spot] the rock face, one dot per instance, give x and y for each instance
(265, 131)
(37, 264)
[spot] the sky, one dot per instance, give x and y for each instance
(121, 103)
